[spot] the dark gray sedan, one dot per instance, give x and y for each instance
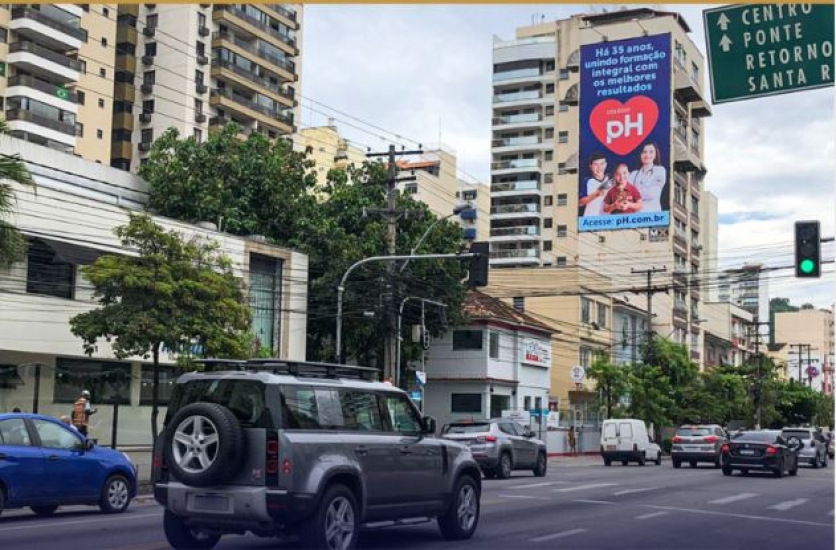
(500, 446)
(764, 450)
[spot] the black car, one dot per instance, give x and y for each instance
(764, 450)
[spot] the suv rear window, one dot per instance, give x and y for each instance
(245, 398)
(467, 428)
(309, 408)
(765, 436)
(800, 434)
(693, 432)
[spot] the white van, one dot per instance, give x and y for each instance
(626, 439)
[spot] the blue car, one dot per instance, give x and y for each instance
(45, 464)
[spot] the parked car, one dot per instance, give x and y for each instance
(764, 450)
(627, 440)
(813, 445)
(45, 464)
(500, 446)
(697, 443)
(313, 450)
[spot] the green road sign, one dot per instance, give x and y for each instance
(757, 50)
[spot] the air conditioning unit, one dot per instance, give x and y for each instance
(147, 88)
(149, 31)
(201, 88)
(145, 117)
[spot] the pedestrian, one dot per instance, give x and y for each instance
(573, 444)
(82, 410)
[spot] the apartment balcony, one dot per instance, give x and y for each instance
(125, 121)
(127, 35)
(515, 211)
(521, 256)
(20, 120)
(574, 62)
(572, 94)
(700, 109)
(282, 13)
(149, 32)
(121, 150)
(519, 144)
(204, 31)
(249, 25)
(515, 165)
(284, 68)
(123, 90)
(38, 27)
(147, 60)
(522, 121)
(517, 233)
(125, 63)
(249, 110)
(569, 166)
(685, 88)
(685, 158)
(145, 118)
(51, 94)
(520, 76)
(199, 118)
(235, 75)
(680, 240)
(515, 188)
(695, 221)
(44, 62)
(518, 99)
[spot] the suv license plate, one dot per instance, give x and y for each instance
(749, 452)
(211, 503)
(610, 447)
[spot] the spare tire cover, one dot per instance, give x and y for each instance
(202, 444)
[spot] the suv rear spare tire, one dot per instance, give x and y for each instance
(202, 444)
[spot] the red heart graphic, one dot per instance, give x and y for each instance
(626, 125)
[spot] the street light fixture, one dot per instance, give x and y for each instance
(458, 209)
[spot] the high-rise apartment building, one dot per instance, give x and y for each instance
(56, 75)
(328, 150)
(196, 67)
(809, 350)
(597, 92)
(747, 287)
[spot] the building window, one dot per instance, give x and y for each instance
(200, 48)
(105, 12)
(147, 136)
(562, 199)
(201, 20)
(548, 156)
(150, 49)
(563, 137)
(547, 223)
(467, 339)
(82, 66)
(527, 403)
(466, 403)
(149, 77)
(549, 134)
(151, 20)
(560, 261)
(103, 72)
(4, 35)
(148, 106)
(695, 72)
(108, 382)
(81, 97)
(99, 134)
(79, 129)
(563, 74)
(586, 305)
(198, 107)
(519, 303)
(410, 188)
(549, 110)
(265, 296)
(602, 315)
(198, 135)
(547, 246)
(47, 273)
(101, 103)
(547, 200)
(168, 375)
(548, 177)
(584, 357)
(198, 77)
(549, 89)
(494, 345)
(104, 42)
(562, 231)
(562, 106)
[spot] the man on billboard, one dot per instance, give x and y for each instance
(596, 186)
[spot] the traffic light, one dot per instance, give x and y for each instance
(479, 264)
(807, 249)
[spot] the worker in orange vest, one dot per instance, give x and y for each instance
(82, 410)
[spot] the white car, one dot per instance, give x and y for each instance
(813, 445)
(627, 440)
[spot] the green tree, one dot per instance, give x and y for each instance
(650, 395)
(174, 294)
(611, 383)
(681, 376)
(12, 169)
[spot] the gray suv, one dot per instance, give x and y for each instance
(812, 445)
(310, 450)
(499, 446)
(698, 443)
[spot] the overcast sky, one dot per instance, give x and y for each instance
(424, 71)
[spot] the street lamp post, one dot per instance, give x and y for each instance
(458, 209)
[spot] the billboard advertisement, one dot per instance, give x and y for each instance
(625, 134)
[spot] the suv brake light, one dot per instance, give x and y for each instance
(486, 439)
(711, 439)
(770, 450)
(676, 439)
(724, 448)
(271, 459)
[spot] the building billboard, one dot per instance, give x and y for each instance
(625, 134)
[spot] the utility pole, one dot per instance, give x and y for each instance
(759, 380)
(392, 215)
(650, 291)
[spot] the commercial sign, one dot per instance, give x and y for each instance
(578, 372)
(625, 134)
(537, 353)
(759, 50)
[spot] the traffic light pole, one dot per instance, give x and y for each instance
(393, 258)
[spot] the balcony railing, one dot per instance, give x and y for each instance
(249, 75)
(525, 230)
(285, 64)
(248, 103)
(518, 253)
(518, 73)
(517, 96)
(515, 163)
(525, 185)
(522, 140)
(524, 208)
(40, 51)
(514, 119)
(279, 8)
(43, 86)
(255, 22)
(35, 15)
(40, 120)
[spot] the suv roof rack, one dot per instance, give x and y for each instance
(296, 368)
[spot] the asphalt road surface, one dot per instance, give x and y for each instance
(580, 505)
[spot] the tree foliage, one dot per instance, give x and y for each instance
(611, 382)
(174, 294)
(12, 169)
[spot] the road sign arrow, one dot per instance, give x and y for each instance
(725, 43)
(723, 22)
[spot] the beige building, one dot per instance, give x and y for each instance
(56, 75)
(477, 195)
(196, 67)
(535, 165)
(328, 150)
(728, 333)
(813, 328)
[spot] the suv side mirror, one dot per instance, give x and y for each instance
(88, 444)
(428, 425)
(529, 434)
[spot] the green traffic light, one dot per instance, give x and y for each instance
(807, 266)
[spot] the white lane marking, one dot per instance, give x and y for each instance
(529, 497)
(584, 487)
(787, 504)
(589, 501)
(734, 498)
(652, 515)
(560, 535)
(743, 516)
(544, 484)
(631, 491)
(52, 525)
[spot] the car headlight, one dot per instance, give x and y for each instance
(131, 462)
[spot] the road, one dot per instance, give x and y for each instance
(580, 505)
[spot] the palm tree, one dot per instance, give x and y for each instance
(12, 244)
